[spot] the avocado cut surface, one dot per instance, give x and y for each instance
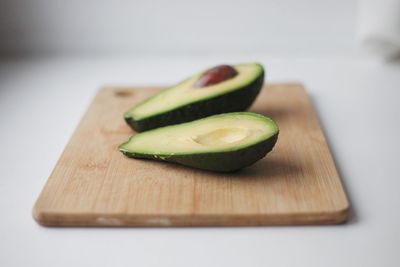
(186, 102)
(225, 142)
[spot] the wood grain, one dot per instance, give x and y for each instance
(93, 184)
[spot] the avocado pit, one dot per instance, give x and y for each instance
(216, 75)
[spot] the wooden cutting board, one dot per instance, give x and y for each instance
(93, 184)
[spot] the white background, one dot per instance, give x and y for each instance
(58, 53)
(177, 26)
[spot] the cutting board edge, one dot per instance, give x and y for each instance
(51, 219)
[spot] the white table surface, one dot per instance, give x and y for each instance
(358, 102)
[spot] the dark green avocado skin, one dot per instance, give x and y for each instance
(217, 161)
(238, 100)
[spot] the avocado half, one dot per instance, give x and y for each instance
(224, 143)
(184, 102)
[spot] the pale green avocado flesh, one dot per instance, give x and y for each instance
(225, 142)
(183, 102)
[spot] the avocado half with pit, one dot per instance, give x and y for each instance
(218, 90)
(224, 143)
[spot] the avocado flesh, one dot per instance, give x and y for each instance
(225, 142)
(184, 102)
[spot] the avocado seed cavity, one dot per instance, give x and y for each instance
(222, 136)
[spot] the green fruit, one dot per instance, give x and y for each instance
(219, 90)
(225, 142)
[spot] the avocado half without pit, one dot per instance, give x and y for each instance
(221, 89)
(225, 142)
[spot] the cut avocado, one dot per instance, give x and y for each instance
(225, 142)
(197, 97)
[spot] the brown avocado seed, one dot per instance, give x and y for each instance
(215, 75)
